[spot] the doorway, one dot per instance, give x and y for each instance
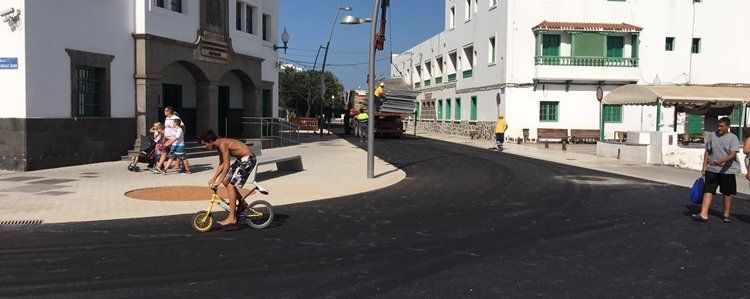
(223, 111)
(171, 95)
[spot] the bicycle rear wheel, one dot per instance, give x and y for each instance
(202, 222)
(258, 214)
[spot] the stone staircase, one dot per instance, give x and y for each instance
(193, 149)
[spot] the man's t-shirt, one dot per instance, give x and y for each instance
(361, 117)
(169, 131)
(500, 126)
(718, 147)
(379, 91)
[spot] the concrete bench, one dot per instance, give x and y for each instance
(559, 134)
(288, 162)
(581, 135)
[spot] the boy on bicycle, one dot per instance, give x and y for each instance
(234, 176)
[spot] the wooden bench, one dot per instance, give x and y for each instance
(305, 123)
(582, 135)
(560, 134)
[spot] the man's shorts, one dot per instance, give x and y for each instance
(500, 137)
(727, 182)
(240, 170)
(177, 152)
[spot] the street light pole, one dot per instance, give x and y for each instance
(325, 58)
(371, 97)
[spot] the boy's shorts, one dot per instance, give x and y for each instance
(240, 171)
(177, 152)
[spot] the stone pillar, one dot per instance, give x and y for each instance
(207, 104)
(147, 94)
(251, 108)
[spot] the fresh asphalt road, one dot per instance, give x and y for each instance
(466, 222)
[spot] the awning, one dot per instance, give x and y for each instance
(717, 96)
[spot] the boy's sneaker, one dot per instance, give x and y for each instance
(154, 170)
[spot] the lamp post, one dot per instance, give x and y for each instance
(325, 57)
(370, 86)
(284, 39)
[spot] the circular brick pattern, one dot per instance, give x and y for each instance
(177, 193)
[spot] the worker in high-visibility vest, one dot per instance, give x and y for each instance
(361, 119)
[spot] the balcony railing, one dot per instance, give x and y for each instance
(452, 77)
(587, 61)
(426, 83)
(468, 73)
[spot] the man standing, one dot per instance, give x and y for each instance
(500, 128)
(379, 96)
(361, 120)
(720, 166)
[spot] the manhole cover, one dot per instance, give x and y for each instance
(178, 193)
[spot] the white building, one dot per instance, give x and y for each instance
(92, 75)
(539, 62)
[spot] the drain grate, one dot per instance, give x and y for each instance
(19, 222)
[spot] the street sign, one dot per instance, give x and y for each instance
(8, 63)
(599, 93)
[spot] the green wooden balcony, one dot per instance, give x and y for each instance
(426, 83)
(439, 80)
(586, 61)
(451, 77)
(468, 73)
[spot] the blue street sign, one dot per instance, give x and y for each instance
(8, 63)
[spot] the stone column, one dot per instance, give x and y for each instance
(250, 108)
(147, 94)
(207, 103)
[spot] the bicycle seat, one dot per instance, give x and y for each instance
(260, 188)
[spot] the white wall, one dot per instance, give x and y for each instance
(164, 22)
(13, 81)
(235, 89)
(104, 27)
(178, 74)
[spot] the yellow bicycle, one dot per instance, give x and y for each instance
(258, 214)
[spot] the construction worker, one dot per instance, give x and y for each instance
(500, 128)
(361, 120)
(379, 96)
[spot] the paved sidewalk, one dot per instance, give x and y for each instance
(585, 156)
(333, 168)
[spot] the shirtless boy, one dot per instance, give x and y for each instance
(231, 177)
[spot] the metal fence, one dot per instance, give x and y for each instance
(273, 132)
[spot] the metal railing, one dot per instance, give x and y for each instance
(586, 61)
(279, 131)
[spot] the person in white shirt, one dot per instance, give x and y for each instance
(169, 132)
(177, 147)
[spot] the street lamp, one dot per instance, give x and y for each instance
(325, 57)
(284, 39)
(370, 86)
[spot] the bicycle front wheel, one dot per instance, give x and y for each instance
(202, 221)
(258, 214)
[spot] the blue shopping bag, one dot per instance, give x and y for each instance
(696, 193)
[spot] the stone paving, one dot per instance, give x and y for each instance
(333, 168)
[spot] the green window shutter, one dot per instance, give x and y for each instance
(473, 108)
(551, 45)
(612, 113)
(591, 44)
(548, 111)
(696, 46)
(458, 109)
(615, 44)
(440, 109)
(695, 124)
(669, 44)
(736, 117)
(447, 108)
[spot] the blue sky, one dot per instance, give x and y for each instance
(309, 23)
